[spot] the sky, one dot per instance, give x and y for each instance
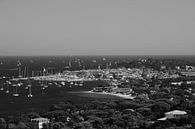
(97, 27)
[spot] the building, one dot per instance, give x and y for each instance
(190, 68)
(39, 122)
(175, 114)
(188, 73)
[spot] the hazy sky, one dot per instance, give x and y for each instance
(97, 27)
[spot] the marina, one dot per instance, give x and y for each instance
(97, 64)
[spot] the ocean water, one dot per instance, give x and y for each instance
(41, 102)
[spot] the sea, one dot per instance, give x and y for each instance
(27, 66)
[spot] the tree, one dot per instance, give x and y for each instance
(59, 125)
(45, 126)
(144, 111)
(83, 125)
(128, 104)
(20, 125)
(33, 115)
(159, 108)
(58, 115)
(159, 95)
(2, 123)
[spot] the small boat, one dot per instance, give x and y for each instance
(7, 85)
(43, 88)
(71, 83)
(46, 86)
(63, 83)
(94, 61)
(76, 84)
(8, 82)
(50, 83)
(55, 83)
(16, 90)
(30, 93)
(30, 90)
(2, 88)
(19, 84)
(7, 91)
(16, 95)
(81, 84)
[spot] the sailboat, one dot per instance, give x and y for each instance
(71, 83)
(69, 65)
(29, 89)
(43, 88)
(45, 84)
(81, 83)
(7, 88)
(76, 84)
(63, 83)
(30, 92)
(79, 62)
(7, 91)
(2, 88)
(15, 94)
(7, 85)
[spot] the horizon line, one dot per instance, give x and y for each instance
(95, 55)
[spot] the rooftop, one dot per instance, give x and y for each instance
(40, 119)
(177, 112)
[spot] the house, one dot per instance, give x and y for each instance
(39, 122)
(175, 114)
(190, 68)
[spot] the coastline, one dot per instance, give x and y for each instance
(113, 94)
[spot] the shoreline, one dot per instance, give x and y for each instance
(113, 94)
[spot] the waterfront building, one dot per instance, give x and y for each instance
(175, 114)
(39, 122)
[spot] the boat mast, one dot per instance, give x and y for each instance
(29, 87)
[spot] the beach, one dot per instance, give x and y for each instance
(113, 94)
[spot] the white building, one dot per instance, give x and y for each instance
(173, 114)
(40, 121)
